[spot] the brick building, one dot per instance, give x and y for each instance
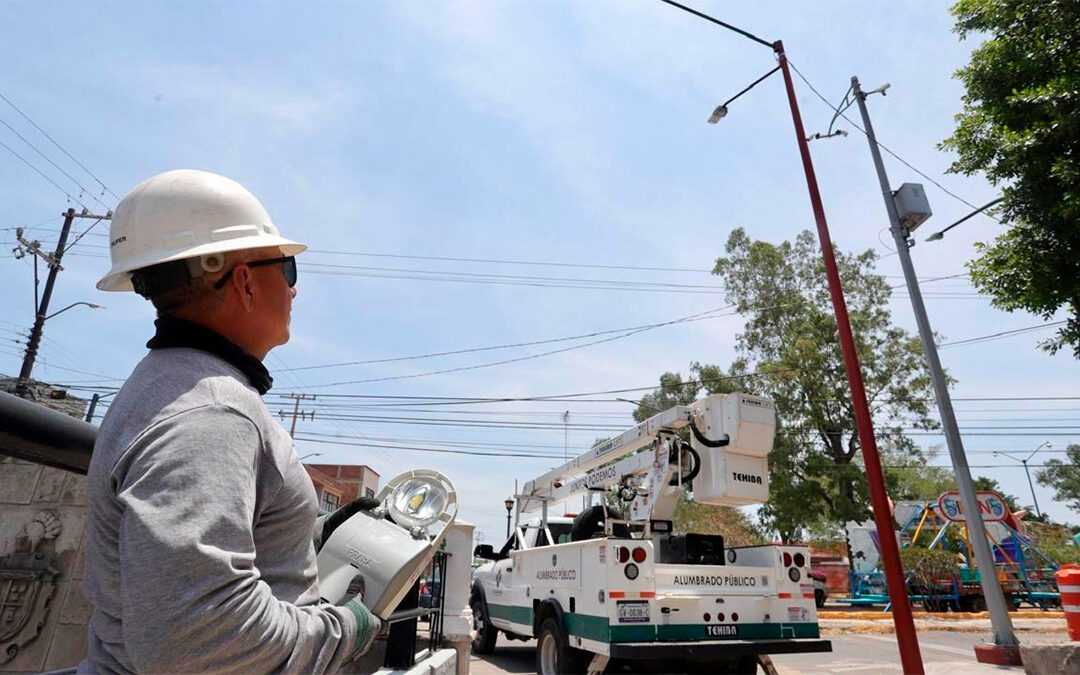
(339, 484)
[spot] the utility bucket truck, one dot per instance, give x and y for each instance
(601, 587)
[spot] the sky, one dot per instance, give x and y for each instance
(472, 175)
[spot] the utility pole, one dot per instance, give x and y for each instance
(906, 637)
(42, 306)
(1006, 648)
(307, 414)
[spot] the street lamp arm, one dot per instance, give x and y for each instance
(718, 22)
(74, 304)
(940, 234)
(750, 86)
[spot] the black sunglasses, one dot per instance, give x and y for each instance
(288, 267)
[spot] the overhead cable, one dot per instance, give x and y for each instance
(452, 352)
(881, 145)
(51, 140)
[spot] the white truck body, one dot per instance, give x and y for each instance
(635, 590)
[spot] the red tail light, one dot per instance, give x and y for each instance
(800, 560)
(622, 554)
(707, 617)
(787, 559)
(639, 555)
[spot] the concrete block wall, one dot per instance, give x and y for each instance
(42, 514)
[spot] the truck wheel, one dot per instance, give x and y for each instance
(486, 634)
(554, 655)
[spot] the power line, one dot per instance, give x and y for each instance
(520, 358)
(499, 261)
(446, 451)
(1008, 333)
(57, 166)
(40, 173)
(881, 145)
(453, 352)
(85, 232)
(46, 135)
(466, 278)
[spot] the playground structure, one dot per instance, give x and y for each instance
(1025, 573)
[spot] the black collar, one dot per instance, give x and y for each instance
(173, 332)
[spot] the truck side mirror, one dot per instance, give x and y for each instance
(485, 552)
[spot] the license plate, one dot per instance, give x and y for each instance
(633, 611)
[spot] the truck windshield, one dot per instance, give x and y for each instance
(560, 531)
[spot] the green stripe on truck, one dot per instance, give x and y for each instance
(522, 615)
(597, 628)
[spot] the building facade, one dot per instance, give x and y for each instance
(339, 484)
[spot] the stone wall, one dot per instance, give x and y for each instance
(43, 614)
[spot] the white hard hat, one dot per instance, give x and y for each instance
(185, 214)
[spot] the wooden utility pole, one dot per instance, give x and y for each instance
(296, 413)
(41, 308)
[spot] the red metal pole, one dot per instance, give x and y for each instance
(907, 640)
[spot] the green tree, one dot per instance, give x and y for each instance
(673, 391)
(789, 352)
(732, 524)
(1064, 477)
(984, 483)
(1020, 126)
(920, 480)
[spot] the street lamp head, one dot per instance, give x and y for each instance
(937, 236)
(509, 504)
(880, 90)
(717, 114)
(93, 306)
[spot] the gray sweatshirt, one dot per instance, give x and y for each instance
(199, 553)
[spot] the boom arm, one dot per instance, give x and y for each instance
(732, 434)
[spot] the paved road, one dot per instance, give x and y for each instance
(944, 653)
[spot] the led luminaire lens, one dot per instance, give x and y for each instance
(418, 501)
(631, 571)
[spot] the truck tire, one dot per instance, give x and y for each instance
(554, 655)
(486, 634)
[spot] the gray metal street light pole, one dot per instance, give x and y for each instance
(1005, 649)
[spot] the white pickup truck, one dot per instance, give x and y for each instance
(594, 588)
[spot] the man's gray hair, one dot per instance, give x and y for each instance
(197, 293)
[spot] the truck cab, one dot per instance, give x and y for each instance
(493, 582)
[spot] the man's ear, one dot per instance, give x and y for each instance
(244, 283)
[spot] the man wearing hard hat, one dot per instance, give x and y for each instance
(199, 552)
